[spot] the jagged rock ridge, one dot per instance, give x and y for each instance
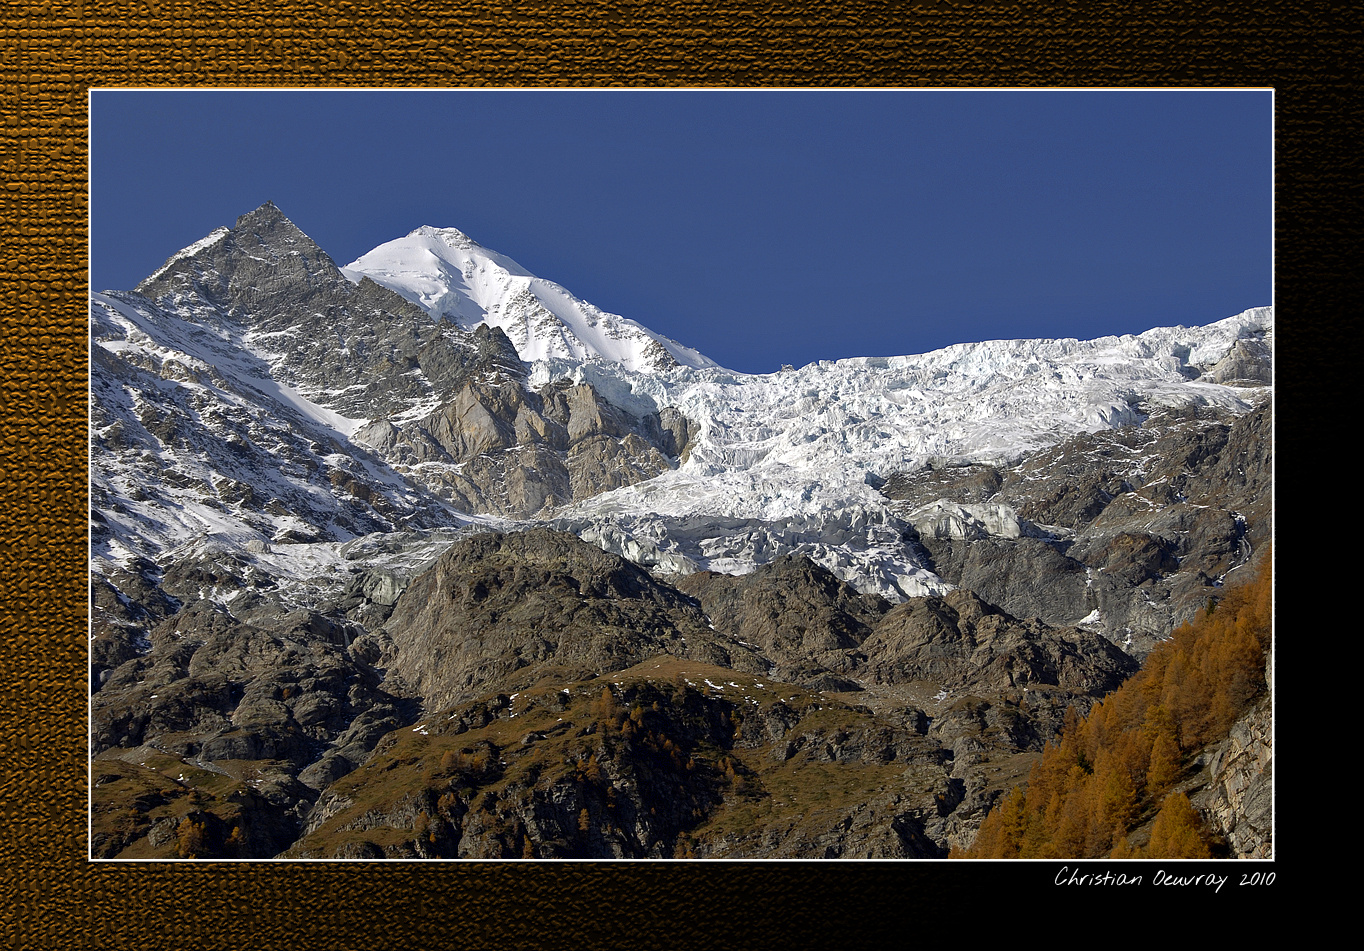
(249, 391)
(926, 561)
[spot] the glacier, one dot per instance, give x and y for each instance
(781, 462)
(807, 445)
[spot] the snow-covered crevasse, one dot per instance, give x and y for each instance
(790, 460)
(780, 462)
(784, 444)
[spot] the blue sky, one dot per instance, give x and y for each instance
(763, 226)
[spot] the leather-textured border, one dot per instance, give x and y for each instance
(52, 53)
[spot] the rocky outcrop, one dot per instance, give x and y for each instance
(504, 449)
(1250, 362)
(124, 605)
(1127, 532)
(964, 645)
(805, 621)
(1238, 797)
(819, 631)
(497, 603)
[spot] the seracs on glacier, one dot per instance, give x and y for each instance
(795, 456)
(790, 460)
(782, 462)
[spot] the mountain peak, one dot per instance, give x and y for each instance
(452, 237)
(269, 211)
(451, 275)
(239, 264)
(272, 227)
(264, 229)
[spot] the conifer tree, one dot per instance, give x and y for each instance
(1164, 768)
(191, 839)
(1177, 832)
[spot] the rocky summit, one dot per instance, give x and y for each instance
(424, 557)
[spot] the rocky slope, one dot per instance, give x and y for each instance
(1126, 531)
(519, 634)
(364, 583)
(671, 759)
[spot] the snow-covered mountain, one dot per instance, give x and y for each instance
(309, 487)
(451, 275)
(251, 390)
(811, 446)
(225, 388)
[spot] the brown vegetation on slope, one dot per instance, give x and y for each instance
(1108, 771)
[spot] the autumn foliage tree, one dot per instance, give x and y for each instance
(1108, 771)
(191, 839)
(1177, 832)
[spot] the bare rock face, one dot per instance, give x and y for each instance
(122, 608)
(1238, 798)
(1127, 532)
(964, 644)
(679, 431)
(511, 451)
(803, 618)
(497, 603)
(1249, 362)
(480, 419)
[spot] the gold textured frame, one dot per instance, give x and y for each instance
(52, 53)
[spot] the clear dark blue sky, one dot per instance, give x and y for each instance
(761, 227)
